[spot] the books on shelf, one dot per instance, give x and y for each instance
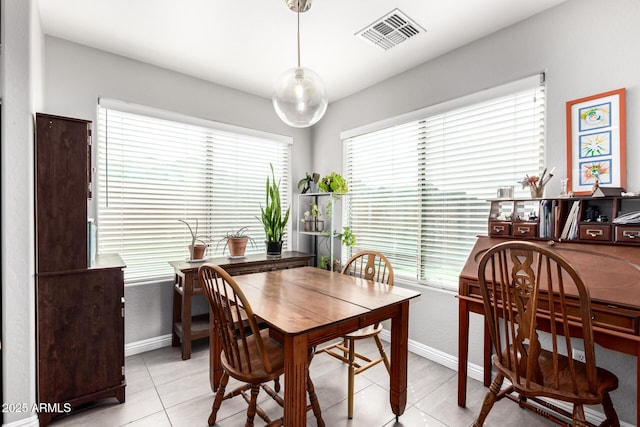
(548, 219)
(570, 230)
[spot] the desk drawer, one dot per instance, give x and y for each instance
(628, 233)
(608, 317)
(615, 318)
(605, 316)
(524, 229)
(499, 228)
(595, 232)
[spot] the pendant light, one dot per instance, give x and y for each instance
(299, 97)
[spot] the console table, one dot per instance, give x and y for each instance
(187, 327)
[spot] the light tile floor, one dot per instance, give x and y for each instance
(163, 390)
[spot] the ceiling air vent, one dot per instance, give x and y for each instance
(390, 30)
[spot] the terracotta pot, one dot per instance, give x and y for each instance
(237, 246)
(197, 251)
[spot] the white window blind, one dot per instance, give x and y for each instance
(419, 189)
(153, 172)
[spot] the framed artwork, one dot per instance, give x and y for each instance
(596, 142)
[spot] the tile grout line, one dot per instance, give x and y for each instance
(155, 387)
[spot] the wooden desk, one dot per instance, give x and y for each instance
(612, 276)
(307, 306)
(186, 327)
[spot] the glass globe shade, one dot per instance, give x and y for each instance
(299, 97)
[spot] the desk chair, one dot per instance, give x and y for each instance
(511, 277)
(248, 354)
(369, 265)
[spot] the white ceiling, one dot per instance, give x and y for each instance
(246, 45)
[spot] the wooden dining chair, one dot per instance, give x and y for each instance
(370, 265)
(248, 354)
(524, 287)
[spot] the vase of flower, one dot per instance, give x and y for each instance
(537, 191)
(536, 183)
(311, 220)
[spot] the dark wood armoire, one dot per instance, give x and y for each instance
(80, 302)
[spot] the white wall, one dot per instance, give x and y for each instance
(21, 71)
(76, 76)
(585, 47)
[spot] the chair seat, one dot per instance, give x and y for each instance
(366, 332)
(257, 374)
(606, 380)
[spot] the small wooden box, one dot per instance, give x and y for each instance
(595, 231)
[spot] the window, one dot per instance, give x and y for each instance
(419, 188)
(157, 167)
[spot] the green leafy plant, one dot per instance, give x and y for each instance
(237, 234)
(272, 219)
(347, 239)
(333, 183)
(304, 185)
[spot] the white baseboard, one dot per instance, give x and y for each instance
(473, 371)
(149, 344)
(477, 373)
(32, 421)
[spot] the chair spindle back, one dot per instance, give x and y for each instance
(519, 280)
(231, 313)
(370, 265)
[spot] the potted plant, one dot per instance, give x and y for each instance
(333, 183)
(309, 182)
(272, 219)
(196, 250)
(236, 241)
(347, 239)
(311, 219)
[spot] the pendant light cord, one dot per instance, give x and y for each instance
(298, 8)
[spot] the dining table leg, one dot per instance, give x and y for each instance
(296, 354)
(399, 356)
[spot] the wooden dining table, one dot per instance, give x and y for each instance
(307, 306)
